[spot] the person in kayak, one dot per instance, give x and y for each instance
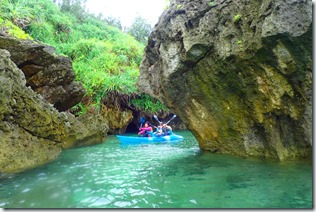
(159, 130)
(146, 131)
(166, 130)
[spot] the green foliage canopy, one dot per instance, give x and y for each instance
(140, 29)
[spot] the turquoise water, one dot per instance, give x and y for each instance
(178, 175)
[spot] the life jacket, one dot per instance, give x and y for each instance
(166, 131)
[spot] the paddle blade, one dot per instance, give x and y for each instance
(171, 118)
(157, 118)
(142, 121)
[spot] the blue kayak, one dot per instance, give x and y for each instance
(153, 139)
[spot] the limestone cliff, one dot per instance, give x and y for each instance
(32, 131)
(237, 72)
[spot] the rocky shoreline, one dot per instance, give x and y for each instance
(33, 131)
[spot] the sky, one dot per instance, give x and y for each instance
(127, 10)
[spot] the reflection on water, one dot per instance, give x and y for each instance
(176, 175)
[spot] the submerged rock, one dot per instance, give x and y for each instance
(238, 73)
(32, 131)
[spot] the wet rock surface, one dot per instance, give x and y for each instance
(238, 74)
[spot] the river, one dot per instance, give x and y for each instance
(175, 175)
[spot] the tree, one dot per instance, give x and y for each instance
(112, 21)
(140, 29)
(75, 7)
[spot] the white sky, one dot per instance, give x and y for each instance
(127, 10)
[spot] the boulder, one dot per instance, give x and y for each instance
(48, 74)
(237, 72)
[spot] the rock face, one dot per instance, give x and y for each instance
(50, 75)
(32, 131)
(116, 119)
(237, 72)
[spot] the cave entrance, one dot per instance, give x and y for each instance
(132, 128)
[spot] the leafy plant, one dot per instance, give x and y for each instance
(148, 103)
(79, 109)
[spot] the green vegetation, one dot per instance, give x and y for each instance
(211, 3)
(236, 18)
(12, 29)
(105, 59)
(18, 12)
(140, 29)
(147, 103)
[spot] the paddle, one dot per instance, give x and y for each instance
(157, 119)
(171, 119)
(152, 125)
(142, 121)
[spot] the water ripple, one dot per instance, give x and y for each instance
(110, 175)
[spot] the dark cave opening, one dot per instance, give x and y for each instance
(132, 128)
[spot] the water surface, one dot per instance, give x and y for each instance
(174, 175)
